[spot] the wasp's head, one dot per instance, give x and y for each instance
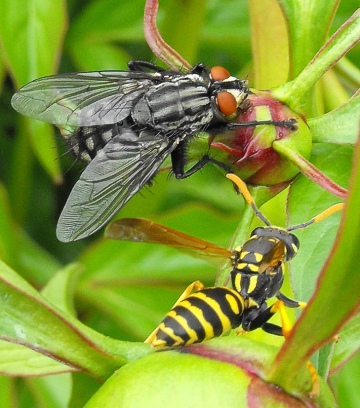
(290, 241)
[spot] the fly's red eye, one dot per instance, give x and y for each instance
(219, 73)
(226, 103)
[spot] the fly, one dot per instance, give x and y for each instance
(125, 124)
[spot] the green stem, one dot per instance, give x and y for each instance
(334, 300)
(239, 237)
(310, 171)
(295, 93)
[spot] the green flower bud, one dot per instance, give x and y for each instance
(225, 372)
(250, 150)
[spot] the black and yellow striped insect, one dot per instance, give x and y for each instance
(212, 312)
(199, 316)
(257, 274)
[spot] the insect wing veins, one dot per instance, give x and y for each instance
(116, 174)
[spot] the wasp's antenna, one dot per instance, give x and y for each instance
(319, 217)
(247, 196)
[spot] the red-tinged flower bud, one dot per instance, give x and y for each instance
(226, 372)
(250, 151)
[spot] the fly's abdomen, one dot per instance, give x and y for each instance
(201, 316)
(86, 141)
(181, 103)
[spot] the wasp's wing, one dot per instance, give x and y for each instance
(118, 172)
(273, 257)
(142, 230)
(82, 99)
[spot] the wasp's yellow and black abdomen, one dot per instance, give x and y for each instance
(201, 316)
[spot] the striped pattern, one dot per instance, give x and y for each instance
(87, 141)
(258, 268)
(203, 315)
(182, 103)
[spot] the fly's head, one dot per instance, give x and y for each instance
(228, 94)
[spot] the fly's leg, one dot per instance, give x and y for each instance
(137, 65)
(178, 159)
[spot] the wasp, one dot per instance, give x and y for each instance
(257, 274)
(212, 312)
(124, 124)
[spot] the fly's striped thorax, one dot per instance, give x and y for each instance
(203, 315)
(182, 102)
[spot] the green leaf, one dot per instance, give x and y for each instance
(55, 333)
(345, 384)
(316, 240)
(107, 20)
(295, 93)
(19, 361)
(60, 290)
(32, 39)
(270, 45)
(180, 27)
(6, 390)
(335, 295)
(97, 57)
(84, 387)
(35, 263)
(51, 391)
(7, 230)
(43, 143)
(348, 344)
(29, 28)
(308, 23)
(341, 125)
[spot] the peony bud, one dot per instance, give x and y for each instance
(226, 372)
(250, 150)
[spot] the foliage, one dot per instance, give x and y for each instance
(122, 290)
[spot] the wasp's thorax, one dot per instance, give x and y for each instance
(258, 266)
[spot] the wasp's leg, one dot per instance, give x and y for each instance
(286, 328)
(292, 303)
(197, 285)
(254, 318)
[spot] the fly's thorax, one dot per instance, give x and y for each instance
(289, 240)
(181, 102)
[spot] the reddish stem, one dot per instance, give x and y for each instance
(158, 46)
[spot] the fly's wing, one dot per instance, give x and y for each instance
(142, 230)
(120, 170)
(83, 99)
